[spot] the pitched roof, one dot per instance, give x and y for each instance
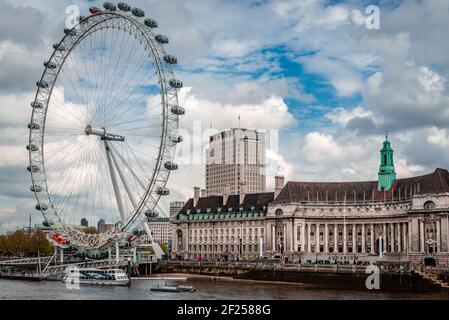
(253, 200)
(436, 182)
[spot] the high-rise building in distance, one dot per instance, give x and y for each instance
(235, 157)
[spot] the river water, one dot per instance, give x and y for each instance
(206, 289)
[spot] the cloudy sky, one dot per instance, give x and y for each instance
(310, 69)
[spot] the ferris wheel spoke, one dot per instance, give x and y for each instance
(134, 63)
(120, 106)
(106, 65)
(119, 78)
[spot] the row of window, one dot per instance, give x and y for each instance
(222, 248)
(224, 238)
(226, 231)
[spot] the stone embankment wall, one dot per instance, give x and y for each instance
(332, 278)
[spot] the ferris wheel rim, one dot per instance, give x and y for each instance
(170, 123)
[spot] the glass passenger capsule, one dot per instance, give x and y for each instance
(150, 23)
(109, 6)
(33, 168)
(138, 232)
(169, 165)
(162, 191)
(36, 188)
(151, 213)
(176, 138)
(94, 10)
(69, 31)
(50, 65)
(178, 110)
(138, 12)
(37, 105)
(124, 6)
(58, 47)
(170, 59)
(45, 223)
(174, 83)
(161, 38)
(33, 126)
(32, 147)
(42, 84)
(42, 207)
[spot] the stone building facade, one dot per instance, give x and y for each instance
(401, 220)
(221, 228)
(327, 221)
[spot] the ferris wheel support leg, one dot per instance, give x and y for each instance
(114, 182)
(123, 178)
(156, 247)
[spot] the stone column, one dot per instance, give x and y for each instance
(354, 238)
(399, 237)
(372, 238)
(309, 237)
(413, 236)
(438, 236)
(303, 237)
(345, 242)
(392, 237)
(404, 237)
(363, 238)
(444, 234)
(295, 236)
(384, 238)
(273, 237)
(326, 238)
(421, 235)
(335, 238)
(317, 237)
(285, 237)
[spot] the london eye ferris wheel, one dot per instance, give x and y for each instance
(103, 129)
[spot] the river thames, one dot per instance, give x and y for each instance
(206, 289)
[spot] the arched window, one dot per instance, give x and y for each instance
(385, 159)
(429, 205)
(278, 212)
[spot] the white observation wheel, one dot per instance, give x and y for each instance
(104, 126)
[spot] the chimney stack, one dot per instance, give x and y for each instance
(226, 192)
(196, 195)
(278, 185)
(242, 192)
(203, 193)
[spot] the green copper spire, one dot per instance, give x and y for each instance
(386, 169)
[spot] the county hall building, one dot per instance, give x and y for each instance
(396, 219)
